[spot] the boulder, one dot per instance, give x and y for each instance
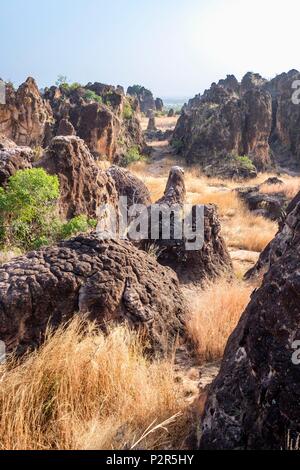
(151, 124)
(194, 264)
(26, 115)
(107, 280)
(129, 185)
(159, 105)
(84, 188)
(270, 206)
(171, 113)
(13, 158)
(254, 401)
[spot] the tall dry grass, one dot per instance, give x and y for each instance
(84, 390)
(215, 312)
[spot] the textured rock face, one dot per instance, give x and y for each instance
(101, 115)
(108, 280)
(254, 401)
(13, 158)
(159, 104)
(26, 116)
(256, 117)
(130, 186)
(228, 121)
(83, 186)
(193, 265)
(144, 97)
(65, 128)
(278, 245)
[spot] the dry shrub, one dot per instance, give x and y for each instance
(215, 312)
(84, 390)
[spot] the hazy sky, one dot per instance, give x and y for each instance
(174, 47)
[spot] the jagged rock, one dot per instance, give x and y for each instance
(254, 401)
(84, 188)
(159, 104)
(276, 246)
(257, 118)
(25, 116)
(193, 264)
(13, 158)
(65, 128)
(108, 280)
(130, 186)
(101, 115)
(144, 97)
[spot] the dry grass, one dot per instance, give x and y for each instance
(215, 311)
(84, 390)
(290, 188)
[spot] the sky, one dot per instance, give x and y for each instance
(177, 48)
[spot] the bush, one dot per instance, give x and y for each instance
(27, 208)
(92, 96)
(127, 111)
(133, 155)
(76, 225)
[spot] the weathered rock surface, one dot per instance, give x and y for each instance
(127, 184)
(193, 263)
(13, 158)
(101, 115)
(277, 246)
(145, 98)
(107, 280)
(66, 128)
(83, 186)
(26, 116)
(254, 401)
(256, 118)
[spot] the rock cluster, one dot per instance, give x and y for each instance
(13, 158)
(254, 401)
(255, 118)
(145, 98)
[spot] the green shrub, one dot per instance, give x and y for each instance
(28, 207)
(76, 225)
(245, 162)
(132, 155)
(90, 95)
(127, 111)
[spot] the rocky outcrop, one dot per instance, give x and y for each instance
(127, 184)
(195, 256)
(254, 401)
(84, 188)
(145, 98)
(13, 158)
(256, 118)
(277, 246)
(25, 117)
(109, 281)
(101, 115)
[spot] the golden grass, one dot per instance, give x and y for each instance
(290, 188)
(84, 390)
(215, 312)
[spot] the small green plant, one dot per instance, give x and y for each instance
(90, 95)
(27, 208)
(61, 81)
(127, 111)
(132, 155)
(76, 225)
(245, 162)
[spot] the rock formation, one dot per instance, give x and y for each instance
(13, 158)
(277, 246)
(83, 186)
(255, 118)
(101, 115)
(130, 186)
(25, 117)
(193, 263)
(65, 128)
(110, 281)
(145, 98)
(254, 401)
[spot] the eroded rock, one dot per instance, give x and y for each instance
(109, 281)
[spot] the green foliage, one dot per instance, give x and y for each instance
(90, 95)
(133, 155)
(76, 225)
(245, 162)
(136, 89)
(127, 110)
(27, 207)
(177, 145)
(62, 80)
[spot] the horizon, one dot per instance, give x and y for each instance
(174, 50)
